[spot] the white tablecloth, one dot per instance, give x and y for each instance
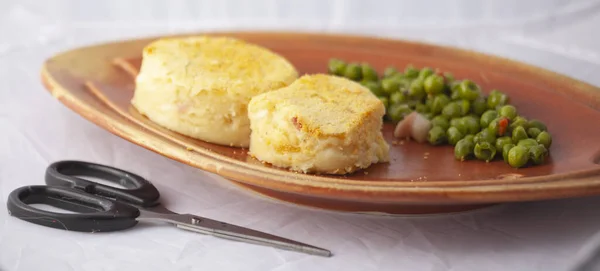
(37, 129)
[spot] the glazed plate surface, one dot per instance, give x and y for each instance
(97, 82)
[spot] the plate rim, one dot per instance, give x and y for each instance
(241, 171)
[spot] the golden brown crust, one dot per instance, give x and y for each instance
(200, 86)
(347, 103)
(319, 124)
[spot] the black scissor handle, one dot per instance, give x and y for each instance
(139, 192)
(96, 214)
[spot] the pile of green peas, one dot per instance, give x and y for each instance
(479, 126)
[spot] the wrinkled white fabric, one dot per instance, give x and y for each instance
(37, 129)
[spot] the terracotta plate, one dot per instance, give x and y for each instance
(97, 83)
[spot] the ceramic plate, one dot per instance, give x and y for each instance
(97, 82)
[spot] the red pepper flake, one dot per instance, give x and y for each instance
(502, 125)
(440, 73)
(296, 123)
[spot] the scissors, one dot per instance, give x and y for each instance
(103, 208)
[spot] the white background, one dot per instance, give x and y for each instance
(555, 235)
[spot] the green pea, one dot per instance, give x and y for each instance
(336, 67)
(449, 77)
(452, 110)
(390, 85)
(454, 135)
(545, 139)
(479, 106)
(538, 124)
(385, 101)
(416, 89)
(375, 87)
(454, 85)
(505, 149)
(518, 121)
(424, 73)
(436, 135)
(397, 112)
(434, 84)
(501, 141)
(429, 115)
(518, 156)
(455, 96)
(518, 134)
(465, 106)
(494, 126)
(389, 71)
(533, 132)
(422, 108)
(353, 72)
(484, 151)
(470, 137)
(411, 72)
(471, 124)
(459, 124)
(487, 117)
(439, 102)
(403, 81)
(537, 154)
(508, 111)
(441, 121)
(464, 148)
(396, 76)
(468, 90)
(397, 98)
(368, 73)
(485, 136)
(496, 98)
(455, 122)
(527, 143)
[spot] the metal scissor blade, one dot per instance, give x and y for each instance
(229, 231)
(237, 233)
